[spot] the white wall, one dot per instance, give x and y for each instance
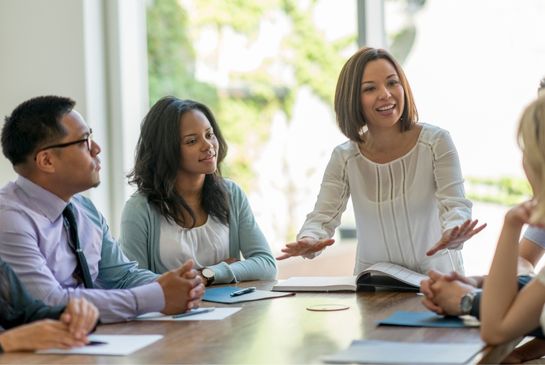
(475, 65)
(91, 51)
(39, 55)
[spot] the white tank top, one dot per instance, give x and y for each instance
(206, 245)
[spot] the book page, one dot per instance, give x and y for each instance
(317, 283)
(399, 272)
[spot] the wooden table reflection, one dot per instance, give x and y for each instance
(274, 331)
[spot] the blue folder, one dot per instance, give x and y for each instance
(423, 319)
(222, 294)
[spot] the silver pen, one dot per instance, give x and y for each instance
(243, 291)
(194, 312)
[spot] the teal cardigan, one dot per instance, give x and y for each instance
(141, 230)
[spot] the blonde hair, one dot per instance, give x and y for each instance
(531, 139)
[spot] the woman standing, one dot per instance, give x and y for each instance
(404, 177)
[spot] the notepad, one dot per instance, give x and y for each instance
(428, 319)
(380, 275)
(222, 294)
(392, 352)
(116, 345)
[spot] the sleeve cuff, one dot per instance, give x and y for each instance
(311, 235)
(149, 298)
(312, 255)
(223, 273)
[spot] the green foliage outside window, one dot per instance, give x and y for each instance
(171, 57)
(506, 191)
(246, 107)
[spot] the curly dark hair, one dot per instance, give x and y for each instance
(158, 158)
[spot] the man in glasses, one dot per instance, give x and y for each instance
(55, 240)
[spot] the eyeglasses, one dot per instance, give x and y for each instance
(88, 140)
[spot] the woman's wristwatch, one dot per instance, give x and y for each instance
(209, 275)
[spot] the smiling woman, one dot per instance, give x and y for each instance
(404, 177)
(183, 208)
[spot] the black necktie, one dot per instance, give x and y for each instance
(82, 269)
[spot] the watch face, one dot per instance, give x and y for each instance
(207, 273)
(466, 303)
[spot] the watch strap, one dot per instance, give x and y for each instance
(476, 306)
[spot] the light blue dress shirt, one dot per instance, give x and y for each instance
(34, 242)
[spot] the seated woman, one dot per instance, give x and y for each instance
(55, 327)
(506, 312)
(183, 208)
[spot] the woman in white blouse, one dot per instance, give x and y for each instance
(404, 177)
(507, 313)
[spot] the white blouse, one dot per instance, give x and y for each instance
(401, 207)
(206, 245)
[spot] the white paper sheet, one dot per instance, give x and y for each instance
(117, 345)
(216, 315)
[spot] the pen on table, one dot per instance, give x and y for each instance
(95, 343)
(243, 291)
(193, 312)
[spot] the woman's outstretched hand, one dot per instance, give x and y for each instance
(455, 236)
(304, 246)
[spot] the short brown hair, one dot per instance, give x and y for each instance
(348, 108)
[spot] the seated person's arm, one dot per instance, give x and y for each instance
(507, 313)
(259, 263)
(39, 335)
(138, 221)
(19, 248)
(529, 255)
(77, 320)
(18, 307)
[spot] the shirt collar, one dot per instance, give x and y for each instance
(49, 204)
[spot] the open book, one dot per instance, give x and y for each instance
(380, 275)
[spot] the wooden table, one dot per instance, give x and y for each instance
(275, 331)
